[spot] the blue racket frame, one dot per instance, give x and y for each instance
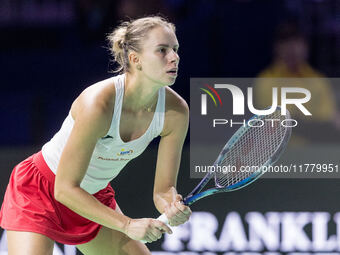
(196, 195)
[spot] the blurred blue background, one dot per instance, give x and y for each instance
(51, 50)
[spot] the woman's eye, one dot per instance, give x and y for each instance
(162, 50)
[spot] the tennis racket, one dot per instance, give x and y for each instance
(249, 152)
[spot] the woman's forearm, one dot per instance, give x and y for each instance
(86, 205)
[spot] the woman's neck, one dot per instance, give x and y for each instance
(138, 95)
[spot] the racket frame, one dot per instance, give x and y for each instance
(196, 193)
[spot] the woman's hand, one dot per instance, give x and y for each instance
(177, 213)
(146, 229)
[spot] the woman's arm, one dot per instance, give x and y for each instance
(174, 132)
(92, 114)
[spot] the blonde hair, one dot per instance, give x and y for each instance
(128, 36)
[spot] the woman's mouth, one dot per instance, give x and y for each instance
(172, 72)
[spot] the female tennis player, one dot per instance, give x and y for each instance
(63, 193)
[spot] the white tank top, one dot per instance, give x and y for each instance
(111, 154)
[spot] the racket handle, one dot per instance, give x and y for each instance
(163, 219)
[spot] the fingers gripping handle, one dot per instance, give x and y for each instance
(163, 219)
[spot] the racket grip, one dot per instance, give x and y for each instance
(163, 219)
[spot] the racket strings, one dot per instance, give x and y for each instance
(251, 151)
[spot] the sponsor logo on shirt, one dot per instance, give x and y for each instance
(120, 154)
(124, 152)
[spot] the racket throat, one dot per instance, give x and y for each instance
(189, 199)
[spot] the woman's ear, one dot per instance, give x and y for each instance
(134, 60)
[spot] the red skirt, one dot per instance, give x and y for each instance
(29, 205)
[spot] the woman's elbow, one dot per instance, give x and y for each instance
(61, 192)
(58, 193)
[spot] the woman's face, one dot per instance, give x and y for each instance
(159, 58)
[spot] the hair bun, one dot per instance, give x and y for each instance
(117, 39)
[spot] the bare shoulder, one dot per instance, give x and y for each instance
(175, 103)
(96, 104)
(176, 112)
